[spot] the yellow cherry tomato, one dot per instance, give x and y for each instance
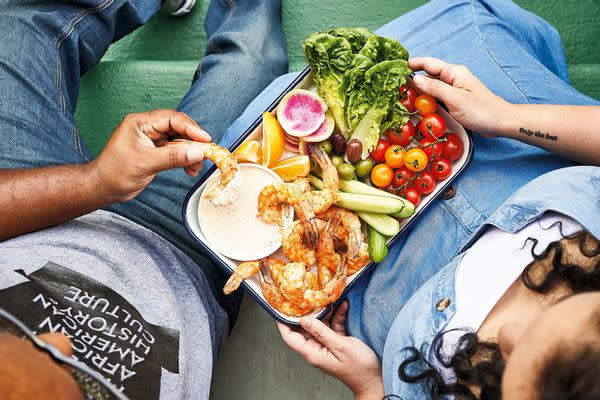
(394, 156)
(382, 175)
(415, 160)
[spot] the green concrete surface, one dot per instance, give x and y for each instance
(153, 68)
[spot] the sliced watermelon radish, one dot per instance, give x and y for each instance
(301, 112)
(324, 131)
(293, 147)
(292, 139)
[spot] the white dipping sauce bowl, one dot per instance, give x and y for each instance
(235, 230)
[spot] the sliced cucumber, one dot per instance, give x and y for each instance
(377, 245)
(368, 203)
(382, 223)
(360, 188)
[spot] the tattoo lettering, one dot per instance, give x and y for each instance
(538, 134)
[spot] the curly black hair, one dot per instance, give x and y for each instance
(567, 375)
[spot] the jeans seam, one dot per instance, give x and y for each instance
(455, 217)
(210, 43)
(66, 32)
(487, 50)
(471, 203)
(58, 40)
(380, 301)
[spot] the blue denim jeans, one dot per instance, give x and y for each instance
(518, 56)
(44, 49)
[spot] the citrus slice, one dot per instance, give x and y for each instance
(293, 168)
(273, 141)
(250, 152)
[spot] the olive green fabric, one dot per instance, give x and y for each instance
(153, 66)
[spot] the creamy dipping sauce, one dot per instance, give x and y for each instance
(235, 230)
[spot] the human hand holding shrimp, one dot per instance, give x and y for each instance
(136, 152)
(327, 346)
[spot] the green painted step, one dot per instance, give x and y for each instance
(153, 66)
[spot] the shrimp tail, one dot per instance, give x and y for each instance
(311, 234)
(317, 153)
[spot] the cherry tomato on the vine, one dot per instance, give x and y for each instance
(425, 182)
(415, 160)
(440, 169)
(412, 194)
(378, 155)
(433, 125)
(401, 177)
(452, 148)
(394, 156)
(407, 97)
(431, 147)
(382, 175)
(404, 136)
(426, 104)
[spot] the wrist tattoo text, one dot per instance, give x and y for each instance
(538, 134)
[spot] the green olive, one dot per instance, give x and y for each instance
(325, 145)
(337, 160)
(345, 171)
(367, 180)
(315, 168)
(364, 167)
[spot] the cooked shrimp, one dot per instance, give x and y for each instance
(323, 199)
(329, 293)
(360, 261)
(295, 280)
(241, 272)
(353, 229)
(298, 244)
(272, 198)
(275, 297)
(327, 258)
(227, 165)
(246, 269)
(270, 202)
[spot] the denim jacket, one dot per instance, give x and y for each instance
(573, 191)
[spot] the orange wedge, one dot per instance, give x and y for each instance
(293, 168)
(250, 152)
(273, 141)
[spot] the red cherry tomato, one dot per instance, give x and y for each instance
(453, 147)
(425, 182)
(403, 137)
(378, 155)
(412, 194)
(440, 169)
(431, 147)
(433, 125)
(407, 97)
(401, 177)
(426, 104)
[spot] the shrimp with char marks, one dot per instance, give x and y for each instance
(360, 261)
(350, 228)
(274, 296)
(328, 293)
(228, 190)
(298, 244)
(327, 258)
(327, 196)
(246, 269)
